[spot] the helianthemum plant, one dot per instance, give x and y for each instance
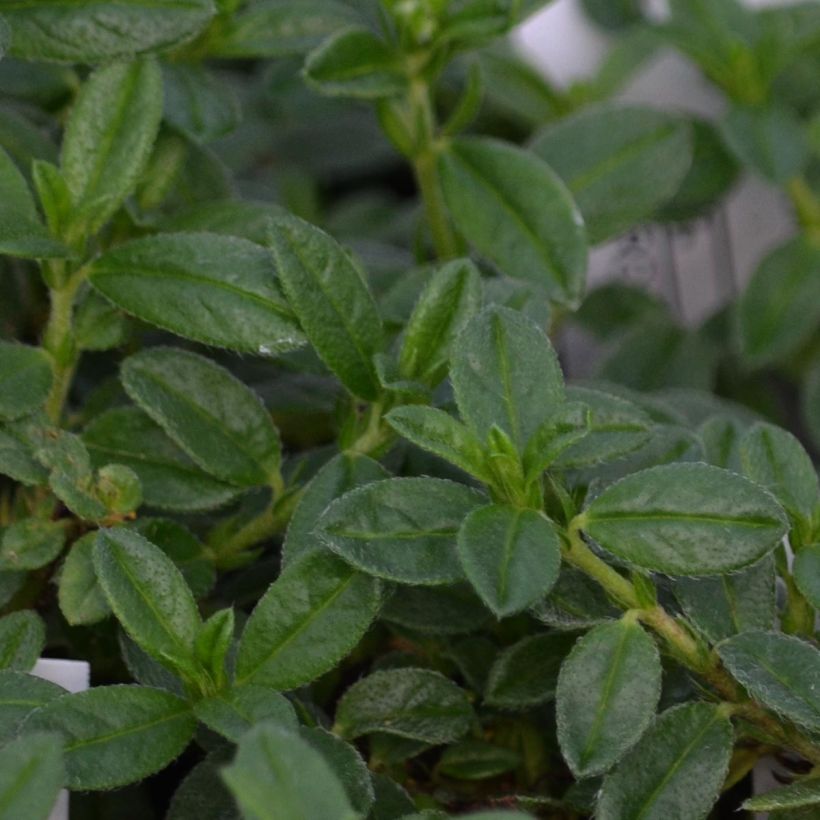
(302, 479)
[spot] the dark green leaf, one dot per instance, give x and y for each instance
(607, 693)
(238, 710)
(212, 288)
(517, 212)
(794, 796)
(25, 379)
(686, 519)
(510, 556)
(17, 461)
(20, 695)
(219, 422)
(442, 610)
(806, 572)
(309, 619)
(30, 544)
(22, 638)
(778, 670)
(418, 704)
(401, 529)
(477, 760)
(115, 735)
(96, 31)
(31, 773)
(82, 599)
(329, 295)
(676, 770)
(619, 162)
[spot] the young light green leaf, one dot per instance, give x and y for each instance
(724, 606)
(20, 695)
(308, 620)
(806, 571)
(778, 670)
(354, 62)
(347, 765)
(30, 543)
(619, 162)
(451, 297)
(608, 689)
(401, 529)
(768, 139)
(676, 770)
(802, 794)
(236, 711)
(149, 596)
(526, 673)
(417, 704)
(25, 379)
(212, 288)
(776, 460)
(97, 31)
(686, 519)
(342, 473)
(505, 374)
(779, 310)
(569, 425)
(510, 556)
(22, 638)
(81, 598)
(327, 292)
(31, 774)
(213, 642)
(109, 137)
(169, 479)
(115, 735)
(277, 28)
(219, 422)
(517, 212)
(439, 433)
(277, 774)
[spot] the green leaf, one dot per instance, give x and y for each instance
(342, 473)
(25, 379)
(607, 693)
(213, 642)
(686, 519)
(170, 480)
(347, 765)
(442, 610)
(355, 63)
(30, 544)
(17, 461)
(21, 231)
(99, 325)
(526, 673)
(806, 571)
(510, 556)
(722, 607)
(797, 795)
(328, 293)
(22, 638)
(236, 711)
(417, 704)
(81, 598)
(568, 426)
(20, 695)
(401, 529)
(776, 460)
(202, 795)
(198, 103)
(620, 163)
(219, 422)
(779, 310)
(309, 619)
(31, 774)
(451, 297)
(517, 213)
(276, 28)
(115, 735)
(505, 374)
(769, 140)
(392, 801)
(277, 774)
(97, 31)
(676, 770)
(778, 670)
(244, 218)
(439, 433)
(477, 760)
(149, 596)
(108, 138)
(215, 289)
(575, 602)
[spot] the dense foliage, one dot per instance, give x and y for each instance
(288, 456)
